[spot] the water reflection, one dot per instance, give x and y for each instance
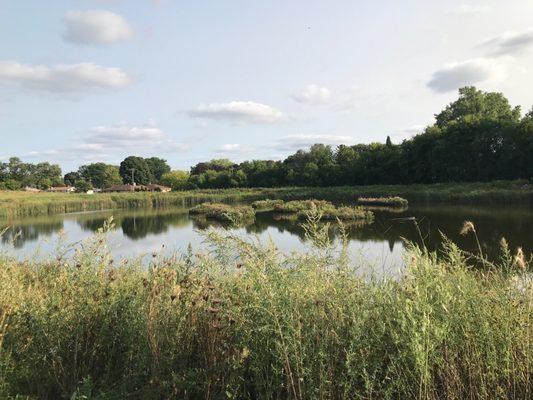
(390, 227)
(17, 234)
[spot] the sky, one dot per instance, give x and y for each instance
(97, 80)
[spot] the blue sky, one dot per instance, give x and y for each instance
(97, 80)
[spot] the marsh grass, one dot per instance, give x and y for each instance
(238, 319)
(326, 211)
(224, 212)
(395, 201)
(18, 204)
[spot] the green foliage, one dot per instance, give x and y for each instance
(244, 321)
(16, 174)
(71, 178)
(395, 201)
(100, 175)
(224, 212)
(266, 205)
(82, 186)
(158, 167)
(177, 180)
(135, 170)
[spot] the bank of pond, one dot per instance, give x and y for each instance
(20, 204)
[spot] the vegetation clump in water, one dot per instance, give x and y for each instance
(251, 323)
(395, 201)
(224, 212)
(324, 209)
(266, 205)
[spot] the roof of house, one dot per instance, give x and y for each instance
(61, 188)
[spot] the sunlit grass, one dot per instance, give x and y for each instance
(238, 319)
(18, 204)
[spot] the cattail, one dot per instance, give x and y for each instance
(468, 226)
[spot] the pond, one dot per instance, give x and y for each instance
(379, 245)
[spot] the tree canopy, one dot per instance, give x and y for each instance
(135, 170)
(478, 137)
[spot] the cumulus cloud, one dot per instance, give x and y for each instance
(113, 142)
(510, 43)
(234, 149)
(241, 112)
(297, 142)
(95, 27)
(312, 94)
(470, 72)
(63, 78)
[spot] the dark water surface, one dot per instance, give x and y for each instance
(378, 245)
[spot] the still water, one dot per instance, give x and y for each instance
(379, 246)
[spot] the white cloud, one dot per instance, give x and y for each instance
(312, 94)
(510, 43)
(297, 142)
(235, 149)
(103, 143)
(63, 78)
(470, 72)
(471, 9)
(95, 27)
(241, 112)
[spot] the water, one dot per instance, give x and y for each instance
(379, 246)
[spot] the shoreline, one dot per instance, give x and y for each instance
(20, 204)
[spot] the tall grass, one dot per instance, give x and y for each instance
(239, 320)
(18, 204)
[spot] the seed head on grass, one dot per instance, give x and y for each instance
(468, 226)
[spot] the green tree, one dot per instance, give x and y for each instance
(475, 104)
(177, 180)
(135, 170)
(82, 186)
(101, 175)
(70, 178)
(158, 167)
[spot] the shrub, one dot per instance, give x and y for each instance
(223, 212)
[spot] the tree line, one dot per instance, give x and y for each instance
(478, 137)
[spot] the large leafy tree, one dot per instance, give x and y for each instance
(135, 170)
(474, 104)
(158, 167)
(100, 175)
(177, 180)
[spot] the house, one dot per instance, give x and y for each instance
(158, 188)
(120, 188)
(137, 188)
(62, 189)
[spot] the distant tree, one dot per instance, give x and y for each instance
(388, 143)
(82, 186)
(177, 180)
(217, 165)
(474, 104)
(135, 169)
(70, 178)
(101, 175)
(158, 167)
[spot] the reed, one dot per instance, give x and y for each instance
(18, 204)
(244, 321)
(395, 201)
